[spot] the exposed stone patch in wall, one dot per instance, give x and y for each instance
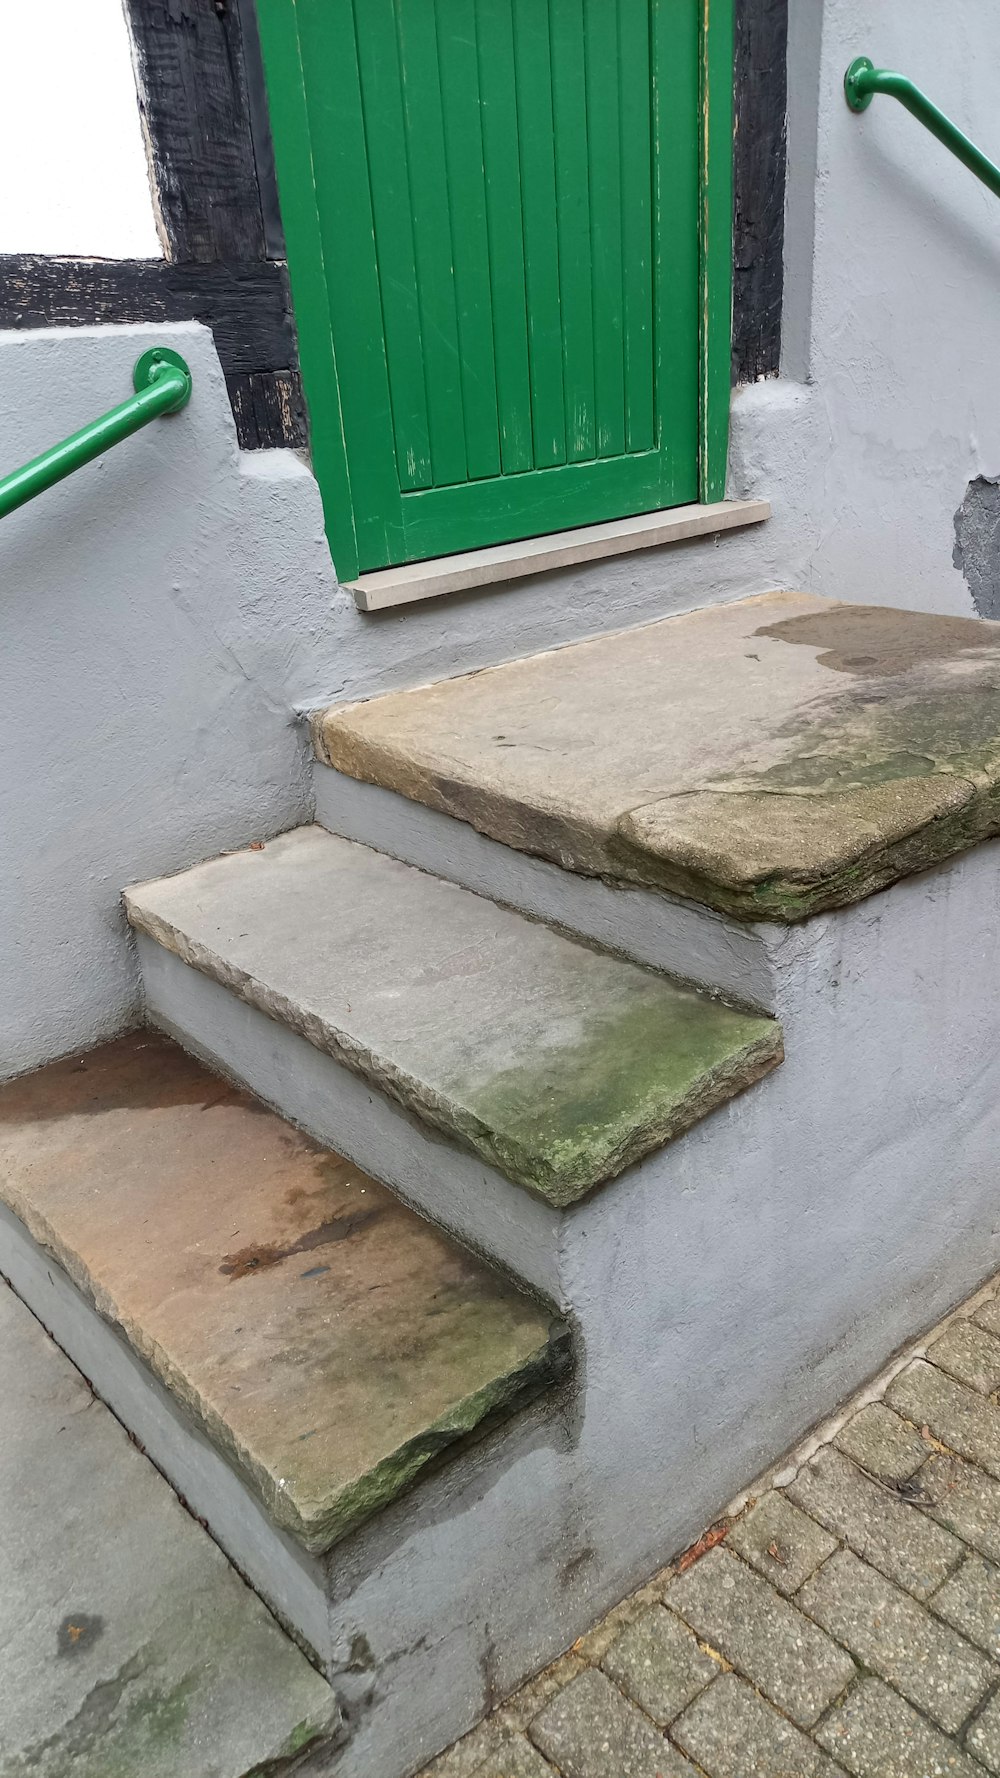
(977, 543)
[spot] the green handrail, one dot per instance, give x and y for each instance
(162, 383)
(862, 81)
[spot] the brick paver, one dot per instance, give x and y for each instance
(848, 1624)
(658, 1663)
(969, 1353)
(893, 1636)
(781, 1543)
(876, 1524)
(880, 1442)
(731, 1732)
(785, 1656)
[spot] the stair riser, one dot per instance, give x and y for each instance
(681, 938)
(456, 1190)
(453, 1589)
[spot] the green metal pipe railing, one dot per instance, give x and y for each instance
(861, 83)
(162, 384)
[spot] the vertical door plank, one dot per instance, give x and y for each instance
(503, 200)
(385, 136)
(347, 231)
(463, 128)
(535, 125)
(637, 221)
(290, 128)
(601, 27)
(432, 230)
(676, 121)
(569, 104)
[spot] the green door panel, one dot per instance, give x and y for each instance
(498, 232)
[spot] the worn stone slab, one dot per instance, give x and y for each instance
(956, 1415)
(780, 1542)
(557, 1063)
(882, 1444)
(874, 1733)
(881, 1528)
(732, 1733)
(893, 1636)
(964, 1500)
(591, 1731)
(329, 1341)
(129, 1644)
(970, 1354)
(770, 757)
(657, 1663)
(970, 1602)
(983, 1737)
(789, 1659)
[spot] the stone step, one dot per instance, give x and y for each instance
(327, 1341)
(555, 1063)
(130, 1645)
(769, 758)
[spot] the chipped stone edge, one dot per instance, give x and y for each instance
(718, 1084)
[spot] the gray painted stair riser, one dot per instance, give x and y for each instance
(689, 942)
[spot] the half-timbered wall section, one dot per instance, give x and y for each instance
(204, 122)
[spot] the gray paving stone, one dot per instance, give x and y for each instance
(895, 1637)
(955, 1415)
(970, 1600)
(883, 1444)
(964, 1500)
(780, 1542)
(657, 1663)
(969, 1353)
(465, 1757)
(732, 1733)
(874, 1733)
(591, 1731)
(785, 1656)
(988, 1315)
(881, 1528)
(129, 1644)
(983, 1738)
(514, 1758)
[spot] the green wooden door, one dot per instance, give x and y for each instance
(499, 222)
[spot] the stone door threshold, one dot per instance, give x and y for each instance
(386, 587)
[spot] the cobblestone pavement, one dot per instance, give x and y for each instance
(844, 1619)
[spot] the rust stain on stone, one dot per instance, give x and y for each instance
(257, 1257)
(877, 641)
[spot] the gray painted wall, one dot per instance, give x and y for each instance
(165, 613)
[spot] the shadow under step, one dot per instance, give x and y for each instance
(327, 1341)
(554, 1062)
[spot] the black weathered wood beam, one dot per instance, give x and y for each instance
(759, 187)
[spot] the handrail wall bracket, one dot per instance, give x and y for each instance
(863, 81)
(162, 383)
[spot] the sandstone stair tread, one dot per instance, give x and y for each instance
(771, 758)
(329, 1341)
(129, 1644)
(557, 1063)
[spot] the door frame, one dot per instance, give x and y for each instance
(303, 230)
